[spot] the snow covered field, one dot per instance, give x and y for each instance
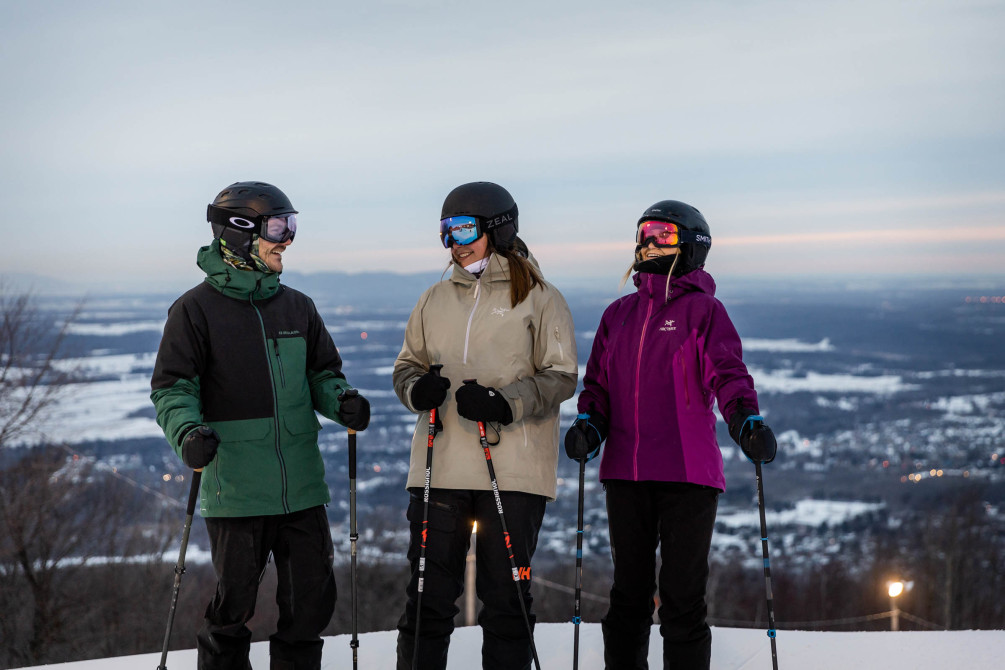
(732, 649)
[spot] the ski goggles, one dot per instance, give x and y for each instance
(280, 228)
(460, 230)
(665, 234)
(277, 229)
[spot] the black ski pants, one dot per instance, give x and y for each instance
(505, 642)
(679, 517)
(302, 546)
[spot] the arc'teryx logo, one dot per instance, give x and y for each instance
(668, 326)
(289, 332)
(499, 311)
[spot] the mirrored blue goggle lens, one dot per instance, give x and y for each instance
(280, 228)
(459, 230)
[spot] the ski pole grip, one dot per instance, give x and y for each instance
(352, 453)
(435, 369)
(193, 493)
(470, 381)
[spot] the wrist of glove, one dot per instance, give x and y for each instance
(583, 439)
(429, 391)
(354, 410)
(199, 447)
(756, 439)
(483, 403)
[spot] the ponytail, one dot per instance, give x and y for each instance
(523, 276)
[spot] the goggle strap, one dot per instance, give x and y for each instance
(501, 219)
(694, 237)
(231, 219)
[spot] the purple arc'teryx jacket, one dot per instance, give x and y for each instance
(660, 358)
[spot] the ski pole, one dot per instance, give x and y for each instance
(502, 522)
(353, 534)
(576, 619)
(435, 369)
(767, 565)
(179, 568)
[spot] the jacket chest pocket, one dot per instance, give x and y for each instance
(687, 374)
(289, 364)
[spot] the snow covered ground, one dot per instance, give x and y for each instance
(732, 649)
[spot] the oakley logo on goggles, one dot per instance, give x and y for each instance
(666, 234)
(277, 229)
(460, 230)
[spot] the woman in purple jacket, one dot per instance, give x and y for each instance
(661, 357)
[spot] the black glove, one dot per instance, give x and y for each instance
(354, 410)
(482, 403)
(755, 438)
(582, 441)
(429, 390)
(199, 448)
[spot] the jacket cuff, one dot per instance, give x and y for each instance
(185, 433)
(736, 419)
(514, 401)
(407, 395)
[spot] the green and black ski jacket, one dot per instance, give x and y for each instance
(252, 359)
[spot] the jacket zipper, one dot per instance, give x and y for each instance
(279, 360)
(216, 473)
(638, 374)
(687, 394)
(471, 316)
(275, 406)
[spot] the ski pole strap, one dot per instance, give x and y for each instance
(749, 421)
(592, 454)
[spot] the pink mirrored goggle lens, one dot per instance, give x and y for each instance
(662, 234)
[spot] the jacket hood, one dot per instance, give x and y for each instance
(234, 283)
(655, 286)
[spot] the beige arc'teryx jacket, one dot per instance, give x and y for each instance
(528, 352)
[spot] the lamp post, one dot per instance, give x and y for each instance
(895, 589)
(469, 579)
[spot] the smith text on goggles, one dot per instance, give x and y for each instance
(666, 234)
(277, 229)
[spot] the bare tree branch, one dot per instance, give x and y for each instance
(30, 377)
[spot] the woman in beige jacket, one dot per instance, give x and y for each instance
(494, 320)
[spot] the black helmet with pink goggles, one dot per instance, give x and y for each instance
(671, 223)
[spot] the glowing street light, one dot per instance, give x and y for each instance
(894, 589)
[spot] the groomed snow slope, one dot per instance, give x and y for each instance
(732, 649)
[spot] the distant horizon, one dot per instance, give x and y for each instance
(47, 285)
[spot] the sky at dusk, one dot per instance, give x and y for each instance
(827, 138)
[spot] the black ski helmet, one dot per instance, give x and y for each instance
(230, 211)
(692, 253)
(490, 202)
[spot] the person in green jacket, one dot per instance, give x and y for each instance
(242, 367)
